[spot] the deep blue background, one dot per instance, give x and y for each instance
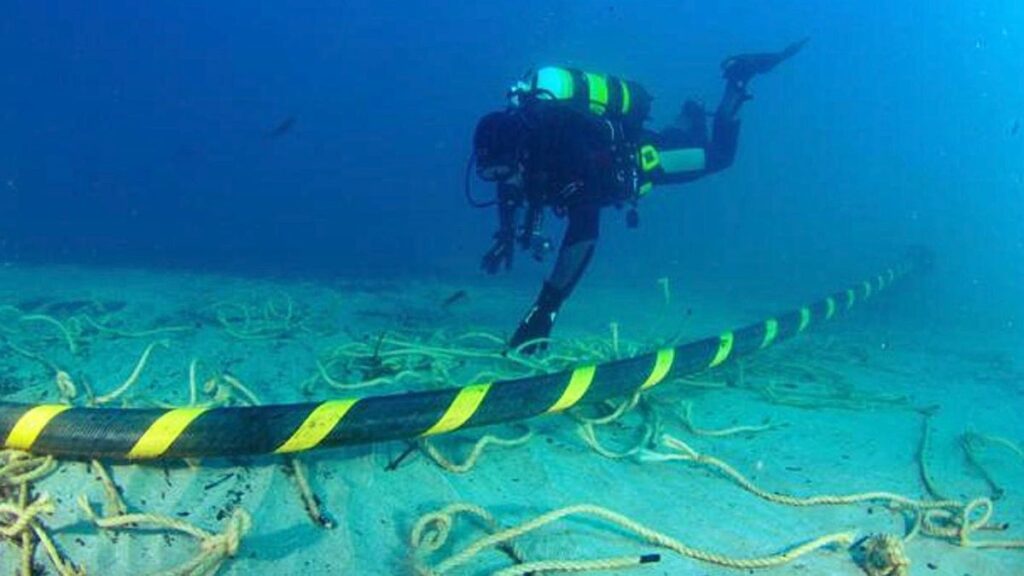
(135, 133)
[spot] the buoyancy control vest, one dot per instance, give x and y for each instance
(622, 104)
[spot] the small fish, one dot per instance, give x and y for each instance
(283, 128)
(457, 296)
(1015, 127)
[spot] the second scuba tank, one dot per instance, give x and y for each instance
(600, 94)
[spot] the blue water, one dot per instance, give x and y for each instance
(136, 134)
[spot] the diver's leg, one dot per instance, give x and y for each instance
(738, 71)
(573, 257)
(742, 67)
(725, 131)
(689, 139)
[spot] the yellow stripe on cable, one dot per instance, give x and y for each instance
(724, 349)
(662, 364)
(461, 409)
(578, 384)
(162, 433)
(771, 330)
(805, 319)
(25, 431)
(317, 425)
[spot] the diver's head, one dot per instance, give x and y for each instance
(496, 145)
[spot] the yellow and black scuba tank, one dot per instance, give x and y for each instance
(600, 94)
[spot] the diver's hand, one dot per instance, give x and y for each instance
(742, 67)
(499, 255)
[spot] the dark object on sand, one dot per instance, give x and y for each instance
(457, 296)
(283, 128)
(394, 464)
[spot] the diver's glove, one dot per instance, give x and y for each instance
(537, 323)
(500, 253)
(741, 68)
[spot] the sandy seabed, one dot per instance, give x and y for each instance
(839, 410)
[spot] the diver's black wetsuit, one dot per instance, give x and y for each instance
(576, 163)
(572, 163)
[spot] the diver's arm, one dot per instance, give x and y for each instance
(510, 198)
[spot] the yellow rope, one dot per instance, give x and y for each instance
(309, 500)
(948, 519)
(617, 412)
(237, 385)
(32, 356)
(226, 390)
(972, 442)
(214, 549)
(63, 566)
(922, 455)
(134, 376)
(22, 519)
(588, 433)
(267, 323)
(65, 387)
(959, 525)
(999, 441)
(27, 545)
(335, 383)
(883, 555)
(432, 531)
(474, 454)
(136, 334)
(17, 467)
(687, 418)
(117, 504)
(491, 338)
(587, 429)
(24, 516)
(685, 453)
(68, 338)
(193, 390)
(440, 524)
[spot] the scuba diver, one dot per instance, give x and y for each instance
(574, 142)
